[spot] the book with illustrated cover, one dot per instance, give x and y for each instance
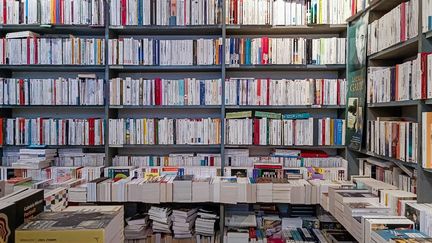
(73, 227)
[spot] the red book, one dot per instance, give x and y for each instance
(41, 130)
(423, 74)
(158, 91)
(256, 133)
(91, 131)
(5, 12)
(1, 131)
(252, 233)
(123, 12)
(403, 22)
(28, 50)
(211, 161)
(21, 91)
(313, 154)
(36, 53)
(234, 11)
(265, 50)
(267, 166)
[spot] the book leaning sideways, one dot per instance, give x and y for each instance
(74, 226)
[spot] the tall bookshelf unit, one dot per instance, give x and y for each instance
(222, 71)
(392, 55)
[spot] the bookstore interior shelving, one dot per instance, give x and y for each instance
(412, 109)
(392, 55)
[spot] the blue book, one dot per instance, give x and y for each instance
(231, 50)
(181, 91)
(238, 92)
(151, 161)
(430, 23)
(296, 116)
(388, 235)
(202, 92)
(26, 9)
(172, 21)
(140, 12)
(248, 52)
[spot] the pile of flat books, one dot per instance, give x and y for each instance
(184, 222)
(35, 158)
(161, 218)
(75, 225)
(137, 227)
(205, 223)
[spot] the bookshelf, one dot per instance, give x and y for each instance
(396, 54)
(223, 71)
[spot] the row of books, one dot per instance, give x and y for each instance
(406, 81)
(387, 172)
(372, 218)
(53, 131)
(187, 91)
(265, 50)
(283, 158)
(67, 12)
(265, 130)
(164, 131)
(398, 25)
(393, 137)
(172, 13)
(270, 224)
(182, 159)
(187, 188)
(61, 91)
(146, 51)
(245, 91)
(73, 157)
(54, 51)
(291, 12)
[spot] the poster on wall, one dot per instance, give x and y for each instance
(356, 77)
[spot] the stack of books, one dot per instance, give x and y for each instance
(35, 158)
(161, 218)
(137, 228)
(86, 224)
(184, 222)
(205, 222)
(77, 157)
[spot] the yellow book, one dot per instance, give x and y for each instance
(53, 11)
(79, 226)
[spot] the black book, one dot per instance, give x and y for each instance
(28, 204)
(7, 222)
